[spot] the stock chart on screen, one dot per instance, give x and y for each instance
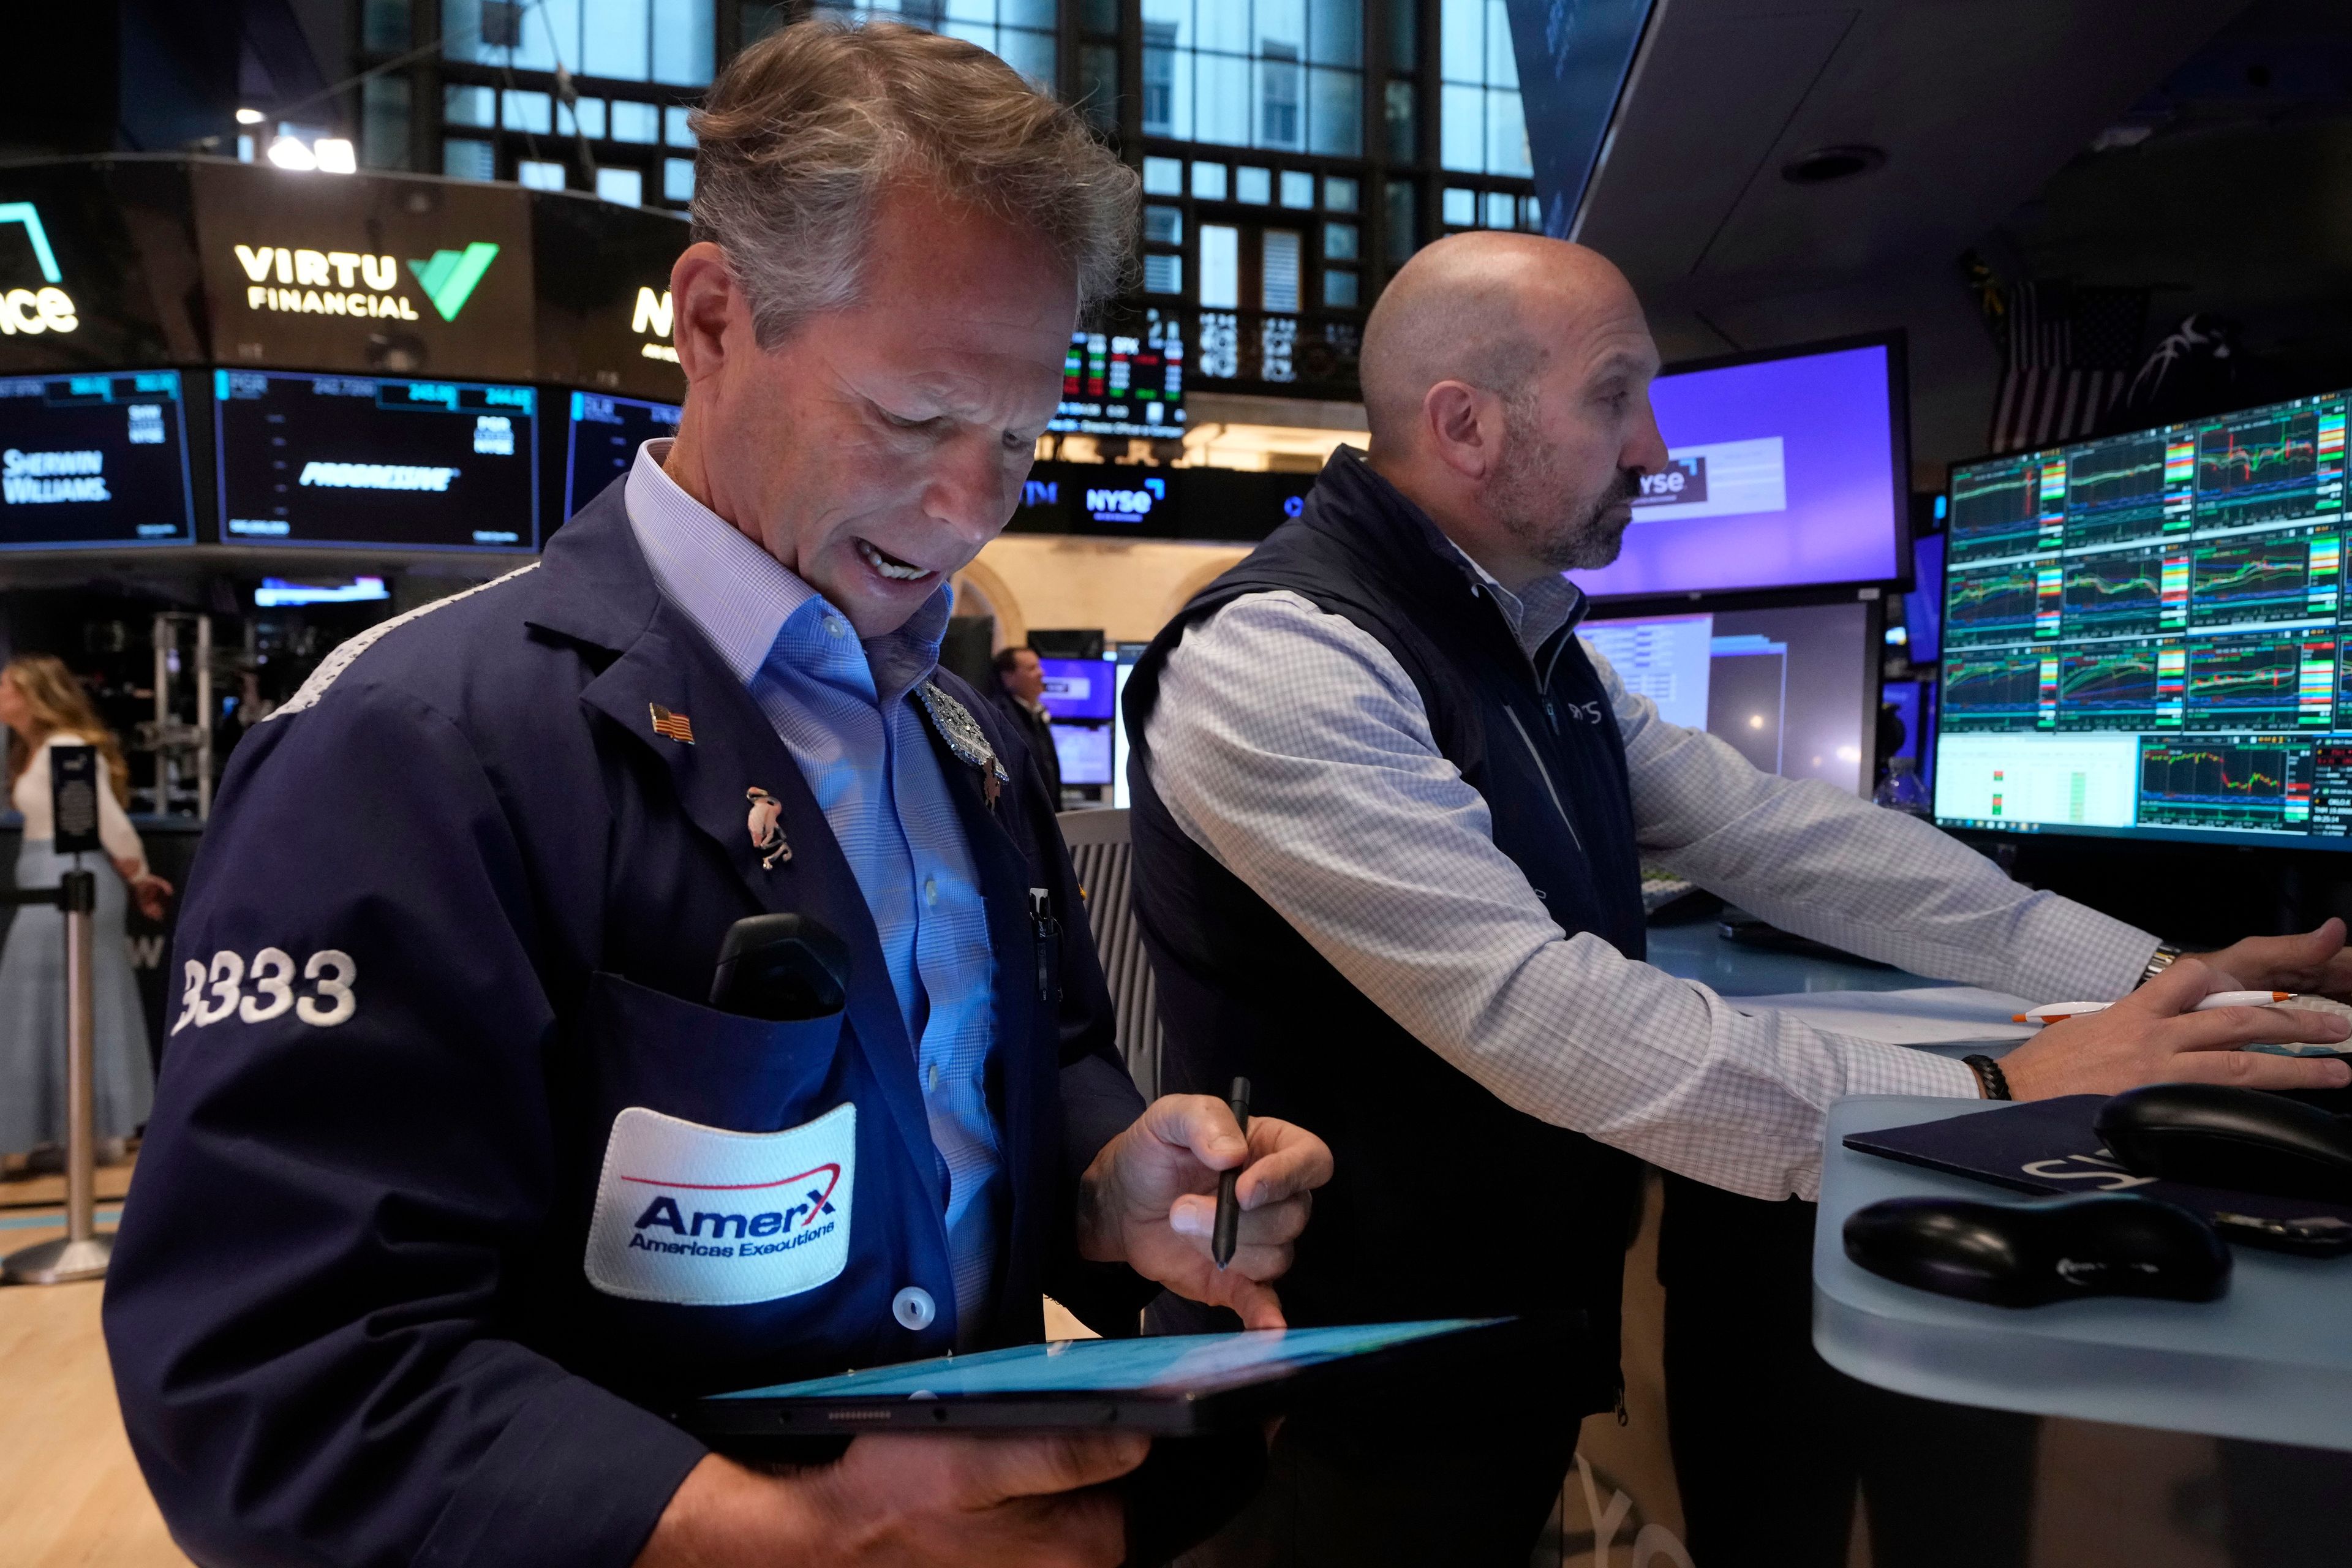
(2144, 634)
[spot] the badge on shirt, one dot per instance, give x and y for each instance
(964, 737)
(698, 1217)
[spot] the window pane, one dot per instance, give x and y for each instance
(1532, 218)
(625, 186)
(614, 37)
(1462, 129)
(1506, 136)
(1254, 186)
(1159, 100)
(1298, 189)
(1222, 24)
(1403, 225)
(1462, 40)
(632, 122)
(1280, 120)
(532, 112)
(682, 42)
(1404, 145)
(1037, 15)
(584, 119)
(677, 179)
(469, 106)
(675, 129)
(1339, 195)
(1221, 99)
(1461, 209)
(1031, 54)
(1335, 32)
(538, 175)
(1099, 84)
(385, 26)
(1279, 288)
(384, 122)
(1404, 35)
(1336, 115)
(465, 159)
(1163, 176)
(1340, 290)
(1209, 182)
(1339, 242)
(546, 32)
(1163, 225)
(1163, 274)
(1220, 267)
(758, 18)
(1099, 18)
(1502, 65)
(1502, 210)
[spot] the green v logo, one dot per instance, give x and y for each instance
(449, 278)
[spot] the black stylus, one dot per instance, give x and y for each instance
(1229, 1207)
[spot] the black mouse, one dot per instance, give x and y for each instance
(2031, 1253)
(2240, 1139)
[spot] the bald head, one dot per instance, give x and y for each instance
(1505, 383)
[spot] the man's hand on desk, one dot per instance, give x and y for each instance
(1150, 1200)
(2316, 963)
(960, 1502)
(2150, 1037)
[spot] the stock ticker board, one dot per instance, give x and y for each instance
(2144, 634)
(1121, 386)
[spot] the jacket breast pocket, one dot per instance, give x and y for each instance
(728, 1175)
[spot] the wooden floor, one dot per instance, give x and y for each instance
(71, 1494)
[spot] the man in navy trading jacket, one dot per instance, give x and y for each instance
(452, 1175)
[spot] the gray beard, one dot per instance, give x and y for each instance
(1523, 495)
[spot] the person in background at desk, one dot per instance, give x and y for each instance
(1389, 813)
(44, 706)
(455, 1183)
(1020, 696)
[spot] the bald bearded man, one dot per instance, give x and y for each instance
(1389, 816)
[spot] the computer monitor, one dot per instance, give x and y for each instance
(1923, 606)
(1083, 751)
(2143, 636)
(602, 440)
(1793, 690)
(1913, 702)
(1788, 469)
(1126, 654)
(383, 462)
(94, 461)
(1077, 689)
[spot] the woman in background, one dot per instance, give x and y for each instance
(43, 705)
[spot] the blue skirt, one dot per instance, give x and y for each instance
(33, 1012)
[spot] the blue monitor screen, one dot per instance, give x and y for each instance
(1083, 751)
(1923, 606)
(388, 463)
(90, 460)
(605, 433)
(1079, 688)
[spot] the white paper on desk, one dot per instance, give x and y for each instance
(1926, 1015)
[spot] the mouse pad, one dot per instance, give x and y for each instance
(2050, 1146)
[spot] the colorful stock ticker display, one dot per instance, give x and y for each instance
(2143, 634)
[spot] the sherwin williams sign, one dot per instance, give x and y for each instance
(364, 274)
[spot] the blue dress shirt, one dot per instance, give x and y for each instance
(842, 708)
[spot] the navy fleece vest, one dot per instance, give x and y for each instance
(1446, 1201)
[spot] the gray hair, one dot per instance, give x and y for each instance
(802, 133)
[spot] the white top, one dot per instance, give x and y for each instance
(31, 796)
(1292, 747)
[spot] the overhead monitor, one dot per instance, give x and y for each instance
(1115, 385)
(1794, 691)
(1077, 689)
(94, 461)
(1923, 606)
(2143, 636)
(393, 464)
(282, 593)
(1786, 470)
(1084, 752)
(603, 436)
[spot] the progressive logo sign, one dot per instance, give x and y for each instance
(294, 280)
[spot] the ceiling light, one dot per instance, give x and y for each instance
(1825, 165)
(250, 116)
(291, 153)
(335, 155)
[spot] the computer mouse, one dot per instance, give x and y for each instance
(2033, 1253)
(2240, 1139)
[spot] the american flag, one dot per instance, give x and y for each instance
(2070, 354)
(675, 725)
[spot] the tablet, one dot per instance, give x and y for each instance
(1178, 1385)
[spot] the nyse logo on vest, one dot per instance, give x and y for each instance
(697, 1215)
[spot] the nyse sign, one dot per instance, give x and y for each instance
(652, 321)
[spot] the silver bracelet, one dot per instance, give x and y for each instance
(2162, 960)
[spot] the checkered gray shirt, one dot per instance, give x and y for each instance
(1292, 747)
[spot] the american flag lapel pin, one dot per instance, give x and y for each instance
(765, 822)
(677, 726)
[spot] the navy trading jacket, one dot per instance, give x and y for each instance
(453, 1180)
